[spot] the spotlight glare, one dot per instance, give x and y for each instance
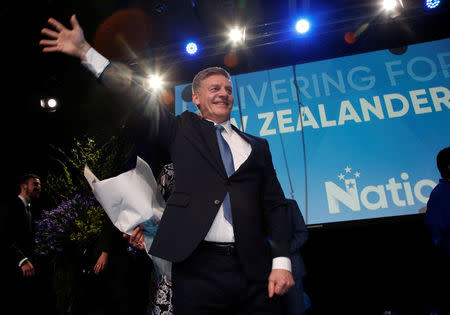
(154, 82)
(389, 5)
(431, 4)
(191, 48)
(49, 104)
(236, 35)
(52, 103)
(302, 26)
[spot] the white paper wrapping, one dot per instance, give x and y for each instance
(130, 199)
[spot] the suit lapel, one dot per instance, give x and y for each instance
(202, 135)
(255, 149)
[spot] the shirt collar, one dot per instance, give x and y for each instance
(25, 202)
(225, 124)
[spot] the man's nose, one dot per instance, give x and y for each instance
(223, 93)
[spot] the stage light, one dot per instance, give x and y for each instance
(393, 8)
(191, 48)
(154, 82)
(302, 26)
(237, 35)
(389, 5)
(49, 104)
(431, 4)
(52, 103)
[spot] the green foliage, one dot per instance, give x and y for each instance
(66, 178)
(69, 232)
(88, 227)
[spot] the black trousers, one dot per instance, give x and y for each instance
(212, 282)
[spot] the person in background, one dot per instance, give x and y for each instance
(437, 219)
(124, 275)
(20, 270)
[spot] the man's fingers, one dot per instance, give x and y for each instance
(135, 234)
(28, 272)
(74, 21)
(48, 42)
(279, 289)
(271, 289)
(50, 49)
(282, 287)
(49, 33)
(58, 26)
(282, 280)
(137, 237)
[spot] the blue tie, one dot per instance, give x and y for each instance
(227, 159)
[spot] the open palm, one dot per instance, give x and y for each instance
(68, 41)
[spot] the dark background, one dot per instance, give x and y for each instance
(371, 265)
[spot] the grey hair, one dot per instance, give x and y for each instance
(198, 79)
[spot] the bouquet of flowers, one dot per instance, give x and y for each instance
(67, 234)
(75, 223)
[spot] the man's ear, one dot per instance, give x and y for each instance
(195, 100)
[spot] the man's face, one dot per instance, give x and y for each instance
(33, 188)
(214, 98)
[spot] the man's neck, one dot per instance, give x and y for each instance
(215, 122)
(25, 196)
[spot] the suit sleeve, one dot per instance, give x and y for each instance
(299, 231)
(14, 233)
(159, 124)
(274, 208)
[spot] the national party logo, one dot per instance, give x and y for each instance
(352, 191)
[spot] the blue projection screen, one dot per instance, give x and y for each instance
(354, 137)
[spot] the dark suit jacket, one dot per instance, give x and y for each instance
(299, 235)
(257, 200)
(19, 236)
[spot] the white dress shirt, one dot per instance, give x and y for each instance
(221, 230)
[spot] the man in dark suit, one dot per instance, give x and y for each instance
(225, 225)
(20, 267)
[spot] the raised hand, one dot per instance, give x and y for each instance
(68, 41)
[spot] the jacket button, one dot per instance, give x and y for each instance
(216, 202)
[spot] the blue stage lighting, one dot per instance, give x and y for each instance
(431, 4)
(302, 26)
(191, 48)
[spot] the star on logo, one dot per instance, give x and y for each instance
(341, 176)
(348, 169)
(357, 174)
(350, 185)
